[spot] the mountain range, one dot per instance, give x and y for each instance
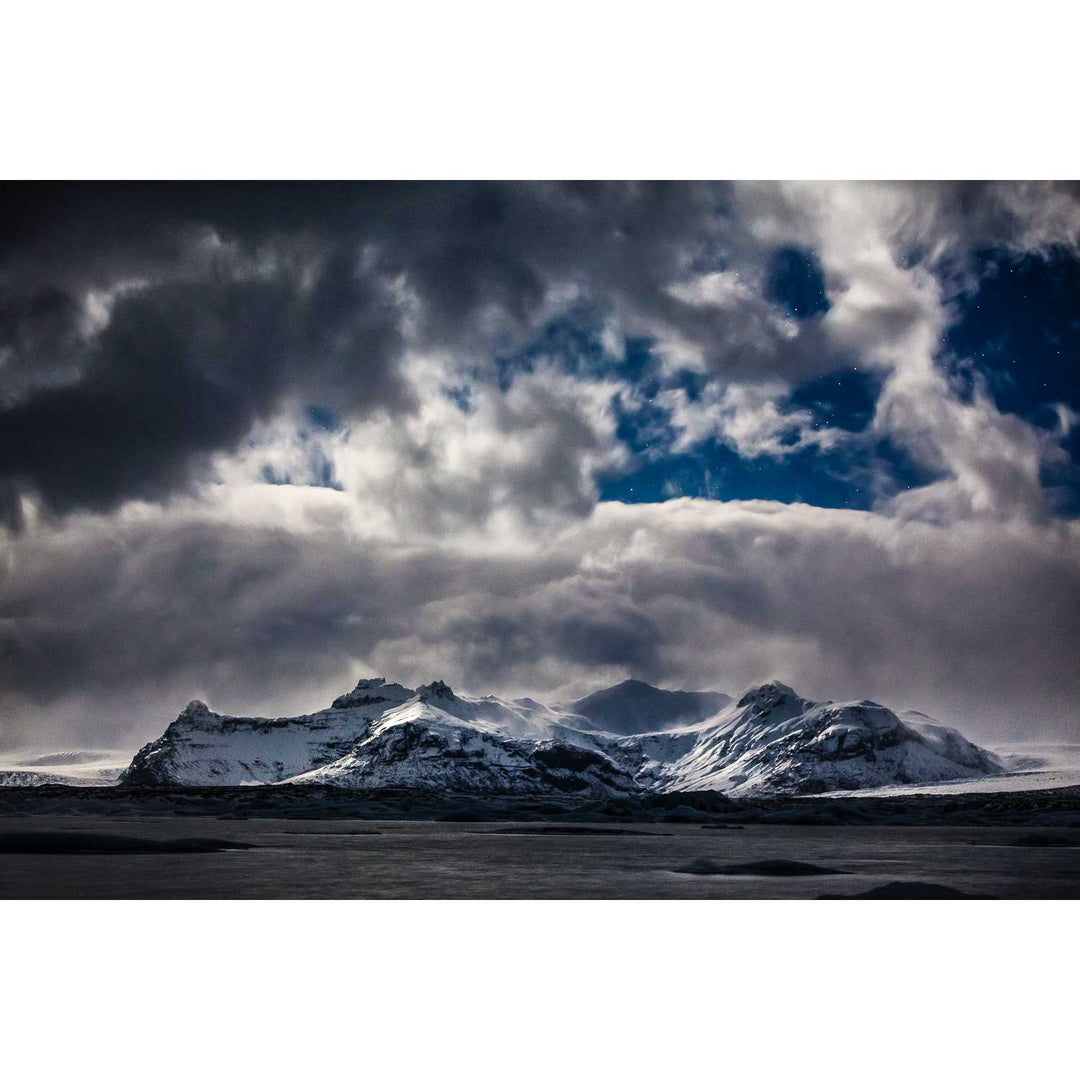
(628, 739)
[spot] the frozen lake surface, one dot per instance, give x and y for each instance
(424, 859)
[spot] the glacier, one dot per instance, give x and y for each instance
(629, 739)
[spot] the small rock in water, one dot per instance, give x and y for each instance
(761, 868)
(909, 890)
(1044, 840)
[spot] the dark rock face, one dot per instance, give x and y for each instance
(149, 767)
(767, 697)
(704, 802)
(140, 773)
(881, 731)
(555, 755)
(371, 692)
(426, 753)
(436, 692)
(573, 770)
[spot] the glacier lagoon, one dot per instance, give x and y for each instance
(378, 859)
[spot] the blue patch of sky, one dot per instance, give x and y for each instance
(843, 399)
(714, 470)
(1020, 332)
(270, 475)
(572, 342)
(848, 477)
(320, 472)
(321, 418)
(852, 476)
(796, 282)
(461, 396)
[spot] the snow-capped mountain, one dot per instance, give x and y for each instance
(384, 735)
(204, 748)
(772, 741)
(438, 740)
(380, 734)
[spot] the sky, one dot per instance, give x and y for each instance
(259, 440)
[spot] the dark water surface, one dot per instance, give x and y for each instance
(422, 859)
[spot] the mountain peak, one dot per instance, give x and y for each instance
(767, 695)
(633, 707)
(371, 691)
(435, 691)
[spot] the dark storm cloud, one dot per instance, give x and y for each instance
(117, 616)
(974, 624)
(186, 369)
(112, 628)
(199, 346)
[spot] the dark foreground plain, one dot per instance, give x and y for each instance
(247, 844)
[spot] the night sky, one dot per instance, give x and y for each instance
(257, 440)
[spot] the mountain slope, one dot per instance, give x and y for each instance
(203, 748)
(634, 708)
(420, 745)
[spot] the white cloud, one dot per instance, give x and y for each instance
(521, 460)
(748, 418)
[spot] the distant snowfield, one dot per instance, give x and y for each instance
(1031, 767)
(82, 768)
